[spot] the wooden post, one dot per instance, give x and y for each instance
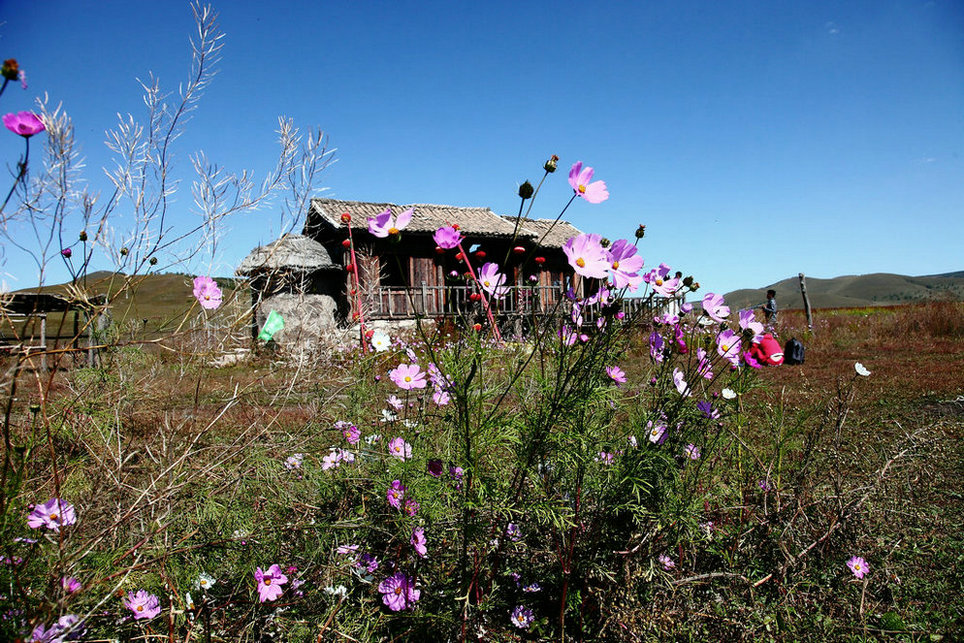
(806, 302)
(424, 298)
(43, 342)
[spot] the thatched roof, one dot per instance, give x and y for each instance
(548, 232)
(292, 252)
(427, 218)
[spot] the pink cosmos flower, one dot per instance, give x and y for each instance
(398, 592)
(441, 398)
(659, 280)
(412, 507)
(714, 306)
(587, 256)
(269, 583)
(418, 542)
(399, 448)
(704, 367)
(493, 281)
(70, 584)
(579, 180)
(26, 124)
(748, 323)
(349, 430)
(692, 452)
(408, 377)
(626, 264)
(384, 225)
(53, 514)
(207, 293)
(728, 346)
(143, 604)
(657, 432)
(396, 493)
(616, 374)
(858, 566)
(395, 403)
(666, 562)
(679, 381)
(656, 345)
(447, 237)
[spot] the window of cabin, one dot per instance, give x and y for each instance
(394, 271)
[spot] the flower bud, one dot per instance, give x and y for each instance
(66, 252)
(346, 243)
(540, 260)
(640, 231)
(10, 69)
(480, 254)
(346, 218)
(551, 164)
(83, 235)
(350, 267)
(459, 257)
(605, 243)
(688, 281)
(124, 252)
(519, 250)
(455, 226)
(477, 327)
(526, 190)
(153, 261)
(695, 286)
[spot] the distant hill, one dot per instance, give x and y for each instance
(161, 299)
(878, 289)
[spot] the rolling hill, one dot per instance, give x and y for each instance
(877, 289)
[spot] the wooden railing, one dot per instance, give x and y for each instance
(449, 301)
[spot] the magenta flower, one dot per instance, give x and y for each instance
(53, 514)
(70, 584)
(66, 253)
(269, 583)
(858, 566)
(396, 493)
(624, 271)
(412, 507)
(385, 225)
(143, 604)
(714, 306)
(398, 592)
(493, 281)
(349, 430)
(434, 467)
(408, 377)
(207, 293)
(728, 346)
(522, 617)
(441, 398)
(447, 237)
(666, 562)
(692, 452)
(748, 323)
(399, 448)
(67, 628)
(26, 124)
(579, 180)
(706, 408)
(418, 542)
(679, 381)
(660, 281)
(587, 256)
(656, 345)
(616, 374)
(367, 562)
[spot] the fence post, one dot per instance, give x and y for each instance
(424, 298)
(806, 302)
(43, 342)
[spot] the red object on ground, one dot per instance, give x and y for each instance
(768, 351)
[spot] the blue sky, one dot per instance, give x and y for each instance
(754, 139)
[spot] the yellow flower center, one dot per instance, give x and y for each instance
(207, 297)
(582, 189)
(53, 516)
(393, 231)
(267, 581)
(485, 283)
(140, 608)
(659, 282)
(581, 262)
(725, 347)
(615, 265)
(408, 379)
(398, 591)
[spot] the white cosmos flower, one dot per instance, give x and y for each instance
(861, 370)
(728, 394)
(381, 342)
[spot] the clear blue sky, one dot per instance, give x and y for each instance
(755, 139)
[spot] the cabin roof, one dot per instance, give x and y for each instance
(290, 252)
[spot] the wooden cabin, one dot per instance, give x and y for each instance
(407, 275)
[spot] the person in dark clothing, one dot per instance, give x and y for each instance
(770, 308)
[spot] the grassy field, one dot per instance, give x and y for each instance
(177, 468)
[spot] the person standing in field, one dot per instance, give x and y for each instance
(770, 308)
